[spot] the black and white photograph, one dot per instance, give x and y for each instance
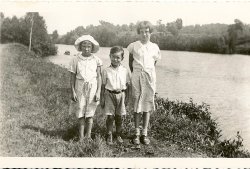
(125, 79)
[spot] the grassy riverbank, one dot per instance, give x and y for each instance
(35, 119)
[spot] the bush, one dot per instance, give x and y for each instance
(191, 125)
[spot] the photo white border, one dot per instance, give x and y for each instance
(40, 162)
(55, 162)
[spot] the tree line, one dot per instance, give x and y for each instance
(19, 30)
(211, 38)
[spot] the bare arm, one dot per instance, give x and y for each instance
(127, 93)
(72, 86)
(128, 89)
(102, 95)
(99, 83)
(131, 59)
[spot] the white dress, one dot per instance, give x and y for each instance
(86, 83)
(143, 76)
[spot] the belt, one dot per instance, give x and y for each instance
(115, 91)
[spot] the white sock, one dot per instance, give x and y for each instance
(137, 131)
(145, 132)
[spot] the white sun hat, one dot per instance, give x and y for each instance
(87, 38)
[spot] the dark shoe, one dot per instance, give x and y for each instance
(136, 140)
(145, 140)
(109, 139)
(119, 139)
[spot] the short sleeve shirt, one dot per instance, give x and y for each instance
(85, 67)
(144, 55)
(115, 78)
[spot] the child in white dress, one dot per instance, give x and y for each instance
(85, 82)
(143, 56)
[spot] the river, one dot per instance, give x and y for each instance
(222, 81)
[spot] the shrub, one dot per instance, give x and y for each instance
(191, 125)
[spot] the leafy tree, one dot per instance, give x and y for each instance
(160, 27)
(233, 31)
(1, 19)
(1, 15)
(54, 36)
(18, 30)
(179, 23)
(11, 30)
(41, 42)
(174, 27)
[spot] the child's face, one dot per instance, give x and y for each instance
(145, 34)
(86, 47)
(116, 59)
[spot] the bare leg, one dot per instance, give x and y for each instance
(146, 116)
(109, 124)
(144, 138)
(118, 124)
(81, 128)
(89, 123)
(137, 122)
(137, 118)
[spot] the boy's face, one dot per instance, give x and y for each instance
(116, 59)
(86, 47)
(145, 34)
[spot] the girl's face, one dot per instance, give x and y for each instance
(116, 59)
(86, 47)
(145, 35)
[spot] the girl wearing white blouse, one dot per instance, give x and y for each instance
(143, 56)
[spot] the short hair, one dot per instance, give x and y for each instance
(144, 24)
(80, 45)
(116, 49)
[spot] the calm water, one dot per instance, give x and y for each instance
(222, 81)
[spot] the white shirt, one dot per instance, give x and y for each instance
(144, 55)
(115, 78)
(85, 67)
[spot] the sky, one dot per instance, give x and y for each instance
(66, 15)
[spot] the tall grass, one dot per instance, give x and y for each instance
(37, 119)
(190, 125)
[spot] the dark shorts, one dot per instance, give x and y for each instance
(114, 103)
